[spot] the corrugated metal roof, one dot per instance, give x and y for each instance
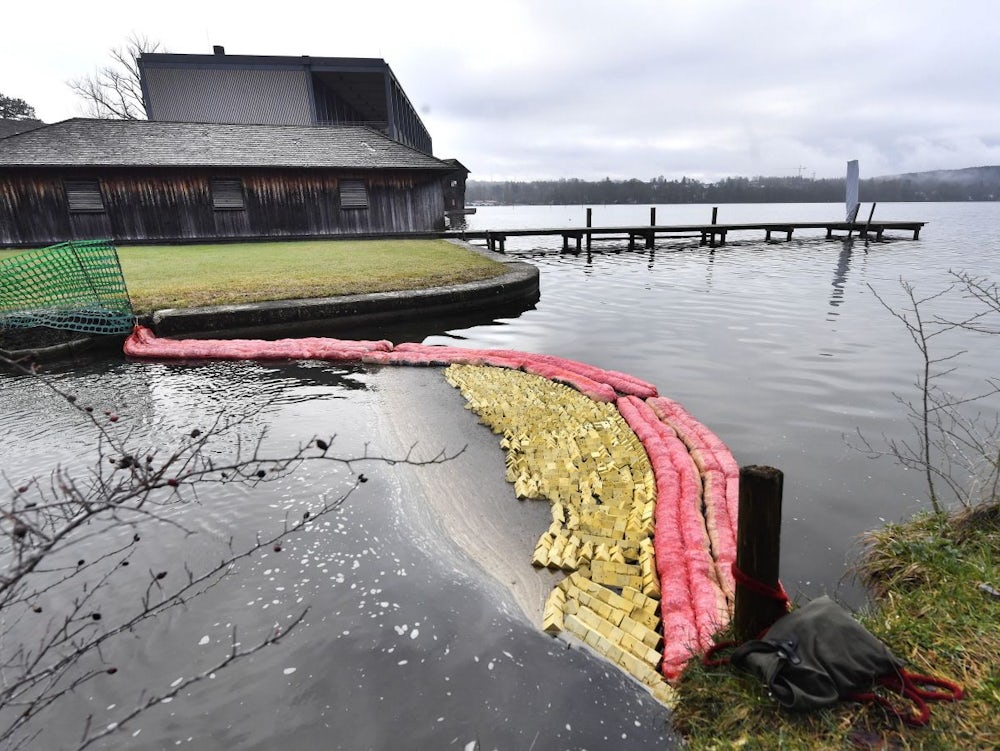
(228, 95)
(145, 143)
(171, 59)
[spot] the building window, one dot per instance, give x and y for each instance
(353, 194)
(84, 196)
(227, 194)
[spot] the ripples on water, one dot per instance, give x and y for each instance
(403, 645)
(781, 348)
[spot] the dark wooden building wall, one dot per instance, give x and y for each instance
(454, 191)
(172, 205)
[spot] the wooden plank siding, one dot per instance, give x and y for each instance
(168, 205)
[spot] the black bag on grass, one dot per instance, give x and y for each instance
(818, 654)
(815, 656)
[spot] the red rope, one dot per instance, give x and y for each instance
(919, 689)
(943, 689)
(758, 587)
(709, 659)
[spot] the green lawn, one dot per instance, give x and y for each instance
(181, 276)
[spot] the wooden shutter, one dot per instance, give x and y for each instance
(227, 194)
(353, 194)
(84, 196)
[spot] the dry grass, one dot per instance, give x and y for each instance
(183, 276)
(925, 576)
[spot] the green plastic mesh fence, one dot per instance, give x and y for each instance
(77, 286)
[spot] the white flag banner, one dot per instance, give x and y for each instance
(852, 190)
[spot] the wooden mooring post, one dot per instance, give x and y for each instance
(758, 542)
(590, 216)
(708, 235)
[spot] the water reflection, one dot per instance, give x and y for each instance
(747, 346)
(709, 270)
(402, 639)
(840, 277)
(413, 328)
(400, 642)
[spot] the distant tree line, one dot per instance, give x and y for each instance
(973, 184)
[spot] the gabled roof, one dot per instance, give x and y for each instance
(10, 127)
(458, 165)
(83, 142)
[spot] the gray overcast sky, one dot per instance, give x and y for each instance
(525, 90)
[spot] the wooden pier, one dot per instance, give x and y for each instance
(710, 234)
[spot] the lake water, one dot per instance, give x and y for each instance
(782, 349)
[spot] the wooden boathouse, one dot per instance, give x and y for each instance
(152, 181)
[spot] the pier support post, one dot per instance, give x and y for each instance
(758, 542)
(590, 213)
(869, 224)
(577, 237)
(652, 216)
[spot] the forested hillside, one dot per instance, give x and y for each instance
(971, 184)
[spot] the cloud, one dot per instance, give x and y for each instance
(589, 89)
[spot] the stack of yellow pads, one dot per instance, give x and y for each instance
(581, 456)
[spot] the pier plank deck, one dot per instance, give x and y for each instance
(710, 234)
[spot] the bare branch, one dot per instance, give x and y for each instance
(234, 654)
(132, 488)
(954, 450)
(115, 91)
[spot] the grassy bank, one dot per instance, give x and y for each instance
(925, 577)
(182, 276)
